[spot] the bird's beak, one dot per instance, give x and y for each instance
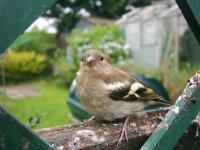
(89, 59)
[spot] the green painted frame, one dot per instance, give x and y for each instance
(16, 16)
(191, 11)
(15, 135)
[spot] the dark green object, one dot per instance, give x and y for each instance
(16, 136)
(195, 7)
(16, 16)
(80, 112)
(193, 48)
(191, 12)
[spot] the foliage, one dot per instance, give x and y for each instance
(24, 65)
(67, 12)
(64, 73)
(101, 8)
(36, 41)
(51, 104)
(105, 38)
(139, 3)
(34, 121)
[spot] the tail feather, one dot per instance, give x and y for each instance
(162, 101)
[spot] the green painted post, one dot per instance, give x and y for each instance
(177, 119)
(191, 11)
(14, 135)
(195, 7)
(16, 16)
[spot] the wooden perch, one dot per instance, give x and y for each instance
(101, 135)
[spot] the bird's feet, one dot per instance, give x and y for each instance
(124, 132)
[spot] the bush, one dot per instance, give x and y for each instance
(25, 65)
(36, 41)
(65, 75)
(105, 38)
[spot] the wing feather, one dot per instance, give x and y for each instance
(132, 91)
(121, 92)
(126, 88)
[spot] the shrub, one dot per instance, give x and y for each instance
(65, 74)
(24, 65)
(36, 41)
(105, 38)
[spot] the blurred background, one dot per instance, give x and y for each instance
(148, 38)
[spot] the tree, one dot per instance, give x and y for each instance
(67, 12)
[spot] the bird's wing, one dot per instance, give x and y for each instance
(127, 88)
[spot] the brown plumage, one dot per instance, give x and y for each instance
(110, 93)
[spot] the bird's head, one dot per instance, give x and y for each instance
(94, 60)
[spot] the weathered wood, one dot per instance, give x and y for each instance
(103, 135)
(92, 134)
(178, 118)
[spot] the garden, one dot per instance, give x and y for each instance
(157, 42)
(34, 59)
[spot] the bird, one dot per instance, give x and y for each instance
(109, 93)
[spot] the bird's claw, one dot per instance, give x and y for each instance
(124, 132)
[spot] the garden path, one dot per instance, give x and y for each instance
(21, 91)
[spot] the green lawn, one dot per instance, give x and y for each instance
(51, 103)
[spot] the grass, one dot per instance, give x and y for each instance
(51, 104)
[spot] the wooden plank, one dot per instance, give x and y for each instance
(14, 135)
(177, 119)
(191, 11)
(16, 16)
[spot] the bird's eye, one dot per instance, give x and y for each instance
(81, 59)
(102, 58)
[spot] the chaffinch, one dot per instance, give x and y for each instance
(110, 93)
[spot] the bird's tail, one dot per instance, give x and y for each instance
(162, 101)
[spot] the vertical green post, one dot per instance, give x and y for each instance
(191, 11)
(177, 120)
